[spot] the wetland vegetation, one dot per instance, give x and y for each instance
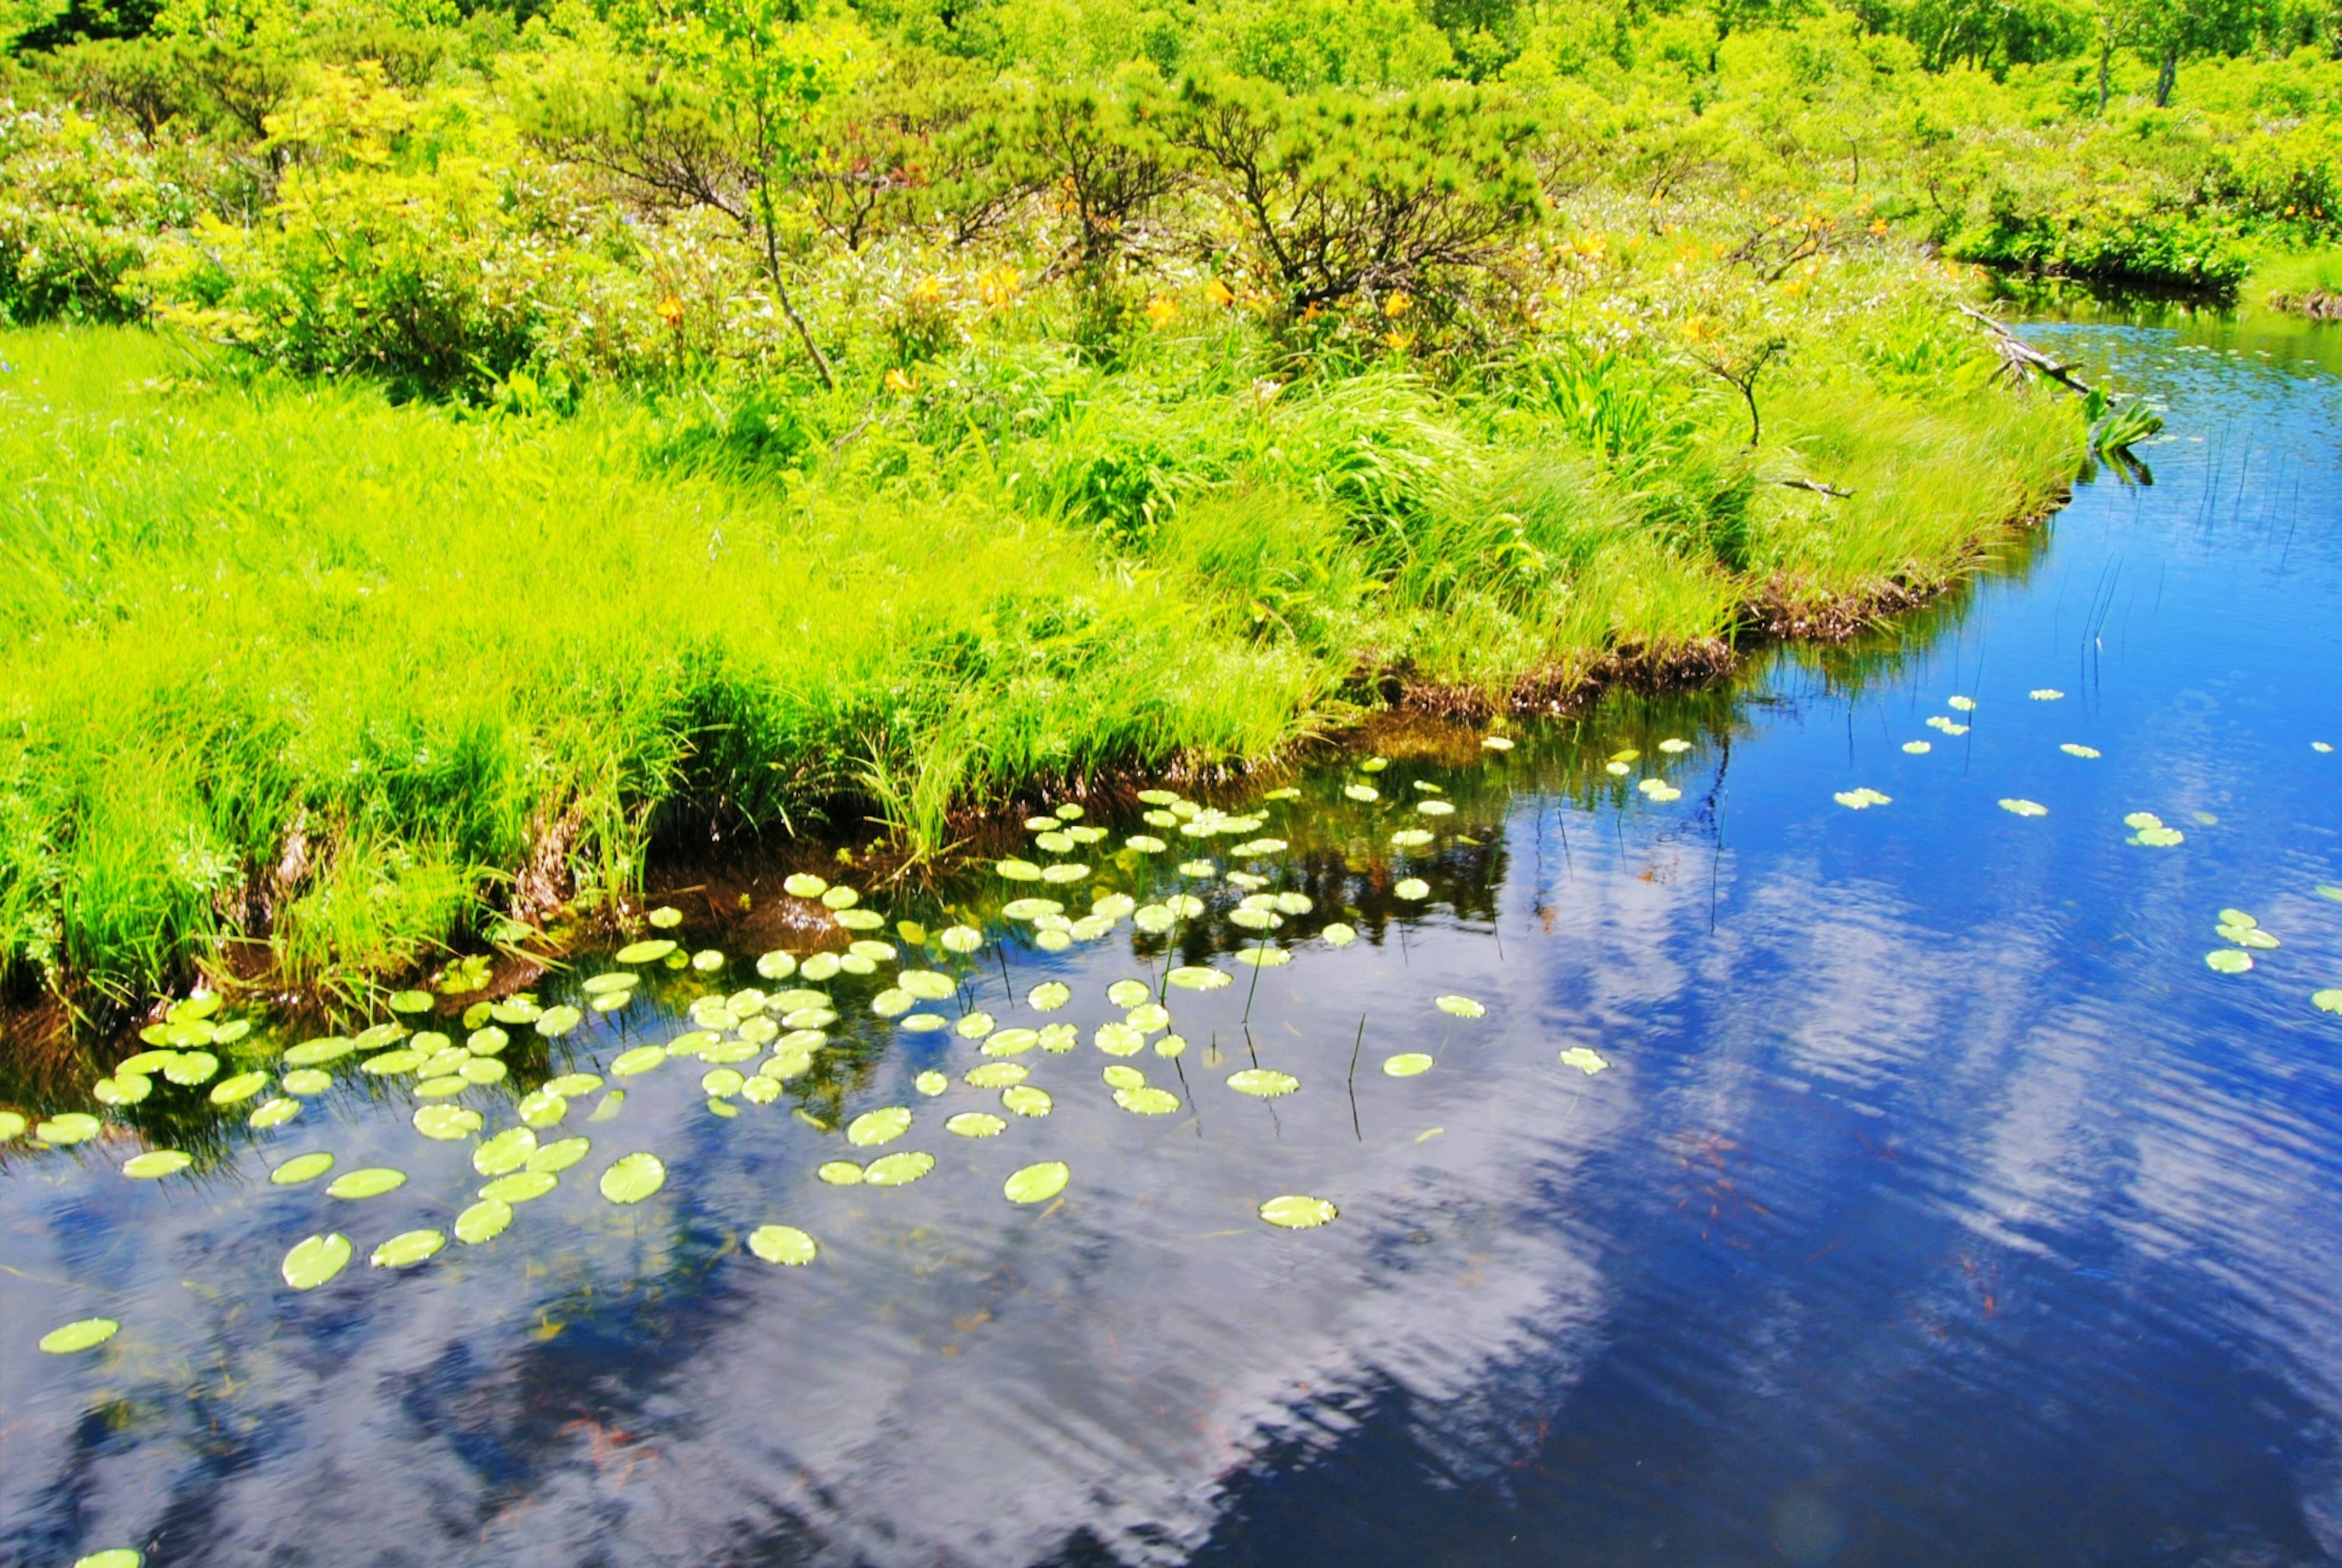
(449, 451)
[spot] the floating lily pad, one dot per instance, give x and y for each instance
(976, 1124)
(1049, 996)
(1407, 1065)
(961, 939)
(1917, 748)
(2074, 749)
(1037, 1183)
(1862, 799)
(883, 1125)
(2228, 960)
(122, 1089)
(87, 1333)
(315, 1260)
(1146, 1100)
(1011, 1042)
(12, 1126)
(68, 1127)
(1338, 934)
(897, 1170)
(783, 1245)
(1460, 1007)
(1148, 1016)
(555, 1021)
(2023, 807)
(156, 1163)
(442, 1087)
(274, 1113)
(112, 1557)
(1119, 1076)
(1412, 837)
(1263, 1082)
(804, 884)
(1119, 1040)
(306, 1081)
(190, 1068)
(1298, 1212)
(317, 1053)
(638, 1061)
(390, 1064)
(484, 1221)
(1411, 888)
(631, 1178)
(508, 1150)
(840, 1172)
(1024, 1100)
(840, 896)
(366, 1181)
(413, 1001)
(647, 951)
(1263, 957)
(408, 1248)
(557, 1156)
(525, 1186)
(1435, 808)
(1198, 977)
(446, 1123)
(1587, 1061)
(2329, 1000)
(1128, 993)
(776, 965)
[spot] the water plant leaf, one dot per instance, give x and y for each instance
(1171, 1045)
(1297, 1211)
(804, 884)
(446, 1123)
(1024, 1100)
(541, 1107)
(441, 1087)
(638, 1061)
(996, 1075)
(1037, 1182)
(839, 1172)
(1128, 993)
(408, 1248)
(883, 1125)
(1263, 1082)
(87, 1333)
(1411, 888)
(975, 1025)
(1338, 934)
(776, 965)
(526, 1186)
(391, 1063)
(976, 1124)
(1014, 870)
(112, 1557)
(1263, 957)
(1460, 1007)
(851, 920)
(1584, 1059)
(273, 1114)
(2328, 1001)
(649, 951)
(508, 1150)
(555, 1021)
(931, 1082)
(2023, 807)
(125, 1089)
(301, 1168)
(1144, 1100)
(12, 1126)
(961, 939)
(412, 1002)
(1435, 808)
(308, 1081)
(1495, 744)
(783, 1244)
(722, 1082)
(1412, 837)
(1011, 1042)
(68, 1127)
(899, 1169)
(631, 1178)
(560, 1155)
(484, 1221)
(155, 1164)
(1407, 1065)
(366, 1181)
(1200, 977)
(1031, 909)
(1861, 799)
(1049, 996)
(1119, 1075)
(2228, 960)
(314, 1260)
(1120, 1039)
(2073, 749)
(1949, 726)
(317, 1053)
(1917, 748)
(190, 1068)
(2045, 693)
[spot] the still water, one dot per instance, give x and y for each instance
(1936, 1202)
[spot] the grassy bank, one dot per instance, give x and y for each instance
(302, 684)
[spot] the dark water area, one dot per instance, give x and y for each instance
(1936, 1201)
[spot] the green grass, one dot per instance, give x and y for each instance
(298, 684)
(2291, 283)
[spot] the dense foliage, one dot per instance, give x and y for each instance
(1254, 358)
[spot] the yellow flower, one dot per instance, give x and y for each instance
(1395, 304)
(1401, 340)
(670, 310)
(1000, 285)
(1218, 293)
(1879, 227)
(1161, 311)
(899, 380)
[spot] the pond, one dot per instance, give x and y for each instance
(1885, 1109)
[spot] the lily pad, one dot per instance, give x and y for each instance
(2045, 693)
(1024, 1100)
(442, 1087)
(273, 1114)
(412, 1002)
(2228, 960)
(112, 1557)
(883, 1125)
(559, 1155)
(840, 896)
(840, 1172)
(897, 1170)
(1407, 1065)
(1460, 1007)
(122, 1089)
(631, 1178)
(190, 1068)
(156, 1163)
(1263, 1082)
(961, 939)
(1049, 996)
(1171, 1045)
(68, 1127)
(522, 1187)
(1917, 748)
(647, 951)
(390, 1064)
(1011, 1042)
(783, 1245)
(317, 1053)
(804, 884)
(1411, 888)
(1297, 1211)
(301, 1168)
(555, 1021)
(1037, 1183)
(2328, 1000)
(1587, 1061)
(931, 1082)
(1862, 799)
(408, 1248)
(1119, 1040)
(508, 1150)
(306, 1081)
(315, 1260)
(2072, 749)
(1338, 934)
(1146, 1100)
(638, 1061)
(1960, 704)
(366, 1181)
(1412, 837)
(446, 1123)
(2023, 807)
(976, 1124)
(1198, 977)
(87, 1333)
(12, 1126)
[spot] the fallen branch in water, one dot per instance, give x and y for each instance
(2019, 359)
